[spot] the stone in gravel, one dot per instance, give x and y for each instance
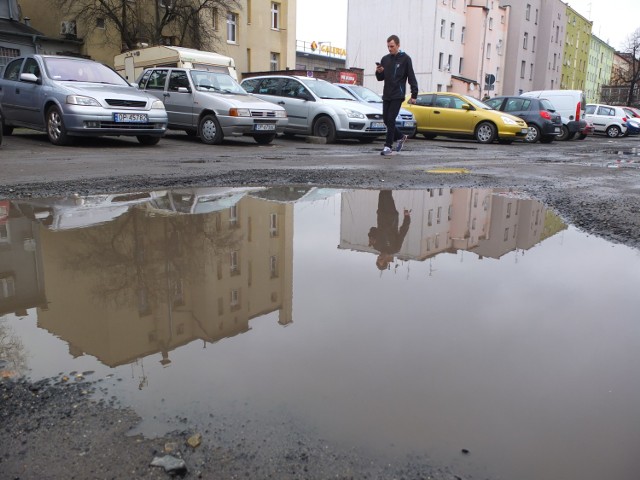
(170, 464)
(195, 440)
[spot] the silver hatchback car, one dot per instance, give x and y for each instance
(68, 96)
(317, 107)
(212, 105)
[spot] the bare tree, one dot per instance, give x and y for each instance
(187, 23)
(629, 77)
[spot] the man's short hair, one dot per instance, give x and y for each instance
(394, 38)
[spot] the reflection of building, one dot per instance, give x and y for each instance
(153, 279)
(21, 279)
(484, 221)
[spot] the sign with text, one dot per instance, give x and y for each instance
(348, 77)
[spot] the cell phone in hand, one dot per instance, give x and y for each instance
(378, 64)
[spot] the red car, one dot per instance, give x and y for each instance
(632, 112)
(587, 130)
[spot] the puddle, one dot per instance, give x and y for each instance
(628, 151)
(486, 324)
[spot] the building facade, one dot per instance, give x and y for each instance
(259, 35)
(575, 54)
(599, 69)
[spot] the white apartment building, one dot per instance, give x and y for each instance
(454, 44)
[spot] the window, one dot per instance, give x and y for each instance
(525, 41)
(523, 66)
(449, 62)
(232, 27)
(274, 61)
(157, 79)
(234, 265)
(177, 79)
(536, 19)
(490, 23)
(452, 31)
(462, 34)
(273, 266)
(7, 287)
(12, 72)
(275, 16)
(440, 60)
(533, 44)
(430, 218)
(7, 54)
(443, 26)
(31, 66)
(439, 215)
(100, 23)
(273, 224)
(488, 51)
(214, 19)
(527, 14)
(531, 72)
(460, 65)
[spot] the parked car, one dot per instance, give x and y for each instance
(405, 122)
(317, 107)
(451, 114)
(632, 112)
(587, 130)
(212, 105)
(68, 96)
(543, 121)
(1, 128)
(607, 119)
(570, 104)
(633, 126)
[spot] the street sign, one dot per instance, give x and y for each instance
(490, 79)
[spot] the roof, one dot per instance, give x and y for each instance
(18, 28)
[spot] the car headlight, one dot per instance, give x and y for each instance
(239, 112)
(508, 121)
(82, 100)
(157, 105)
(281, 114)
(353, 113)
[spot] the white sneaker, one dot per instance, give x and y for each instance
(386, 151)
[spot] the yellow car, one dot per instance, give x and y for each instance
(451, 114)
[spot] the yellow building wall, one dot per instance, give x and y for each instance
(576, 51)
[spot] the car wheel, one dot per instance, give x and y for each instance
(485, 132)
(325, 128)
(533, 135)
(429, 136)
(264, 139)
(366, 139)
(6, 129)
(209, 130)
(148, 139)
(56, 131)
(571, 135)
(547, 139)
(564, 133)
(613, 131)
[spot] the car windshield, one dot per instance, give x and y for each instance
(216, 82)
(326, 90)
(476, 103)
(80, 70)
(366, 94)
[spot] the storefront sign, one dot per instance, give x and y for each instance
(348, 77)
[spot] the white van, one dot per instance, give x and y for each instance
(570, 104)
(131, 64)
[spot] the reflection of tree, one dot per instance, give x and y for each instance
(11, 350)
(143, 259)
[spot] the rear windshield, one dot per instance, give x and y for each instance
(79, 70)
(547, 105)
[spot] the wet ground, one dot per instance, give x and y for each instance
(313, 332)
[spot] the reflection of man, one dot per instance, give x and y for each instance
(386, 238)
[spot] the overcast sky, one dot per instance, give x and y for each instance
(326, 21)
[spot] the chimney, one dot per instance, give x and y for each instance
(27, 21)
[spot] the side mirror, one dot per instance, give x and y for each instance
(29, 77)
(184, 90)
(305, 96)
(466, 106)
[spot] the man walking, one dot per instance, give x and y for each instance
(395, 69)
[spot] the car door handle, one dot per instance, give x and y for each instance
(166, 94)
(437, 112)
(17, 90)
(281, 103)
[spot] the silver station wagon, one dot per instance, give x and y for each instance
(212, 105)
(68, 96)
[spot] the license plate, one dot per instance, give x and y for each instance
(556, 130)
(261, 127)
(524, 130)
(130, 117)
(409, 124)
(377, 124)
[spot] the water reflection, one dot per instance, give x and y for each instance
(465, 342)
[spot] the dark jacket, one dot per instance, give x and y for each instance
(397, 70)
